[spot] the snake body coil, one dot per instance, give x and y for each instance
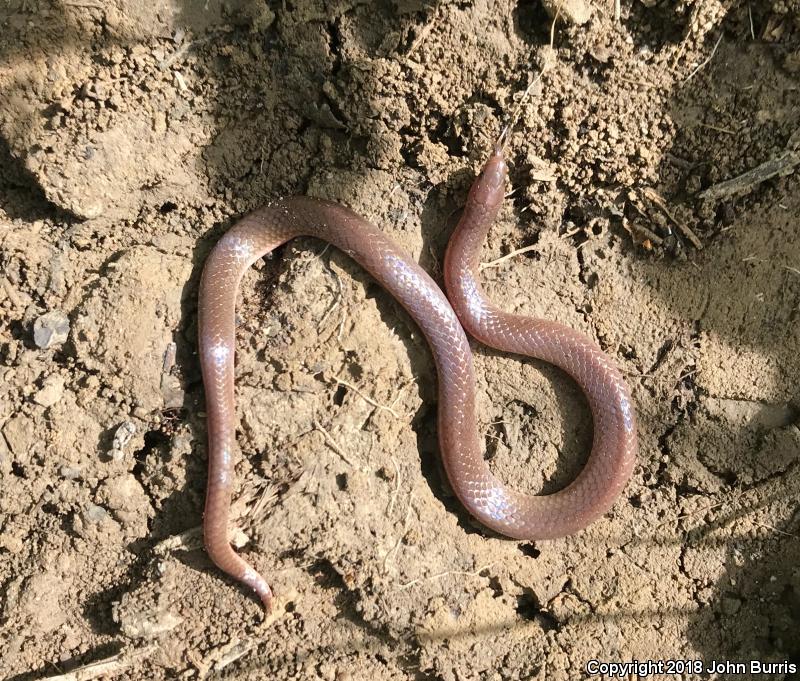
(504, 510)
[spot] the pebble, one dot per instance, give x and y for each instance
(147, 624)
(122, 436)
(51, 391)
(575, 11)
(11, 543)
(731, 605)
(94, 513)
(51, 329)
(70, 472)
(20, 436)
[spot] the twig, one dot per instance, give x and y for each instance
(396, 490)
(182, 49)
(341, 325)
(553, 27)
(647, 233)
(366, 398)
(640, 83)
(503, 138)
(744, 183)
(83, 5)
(716, 128)
(571, 233)
(234, 651)
(186, 541)
(109, 666)
(684, 376)
(617, 10)
(336, 300)
(269, 494)
(439, 575)
(698, 511)
(400, 538)
(224, 656)
(192, 540)
(426, 29)
(775, 529)
(707, 61)
(508, 256)
(655, 197)
(332, 443)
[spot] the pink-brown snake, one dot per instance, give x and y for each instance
(504, 510)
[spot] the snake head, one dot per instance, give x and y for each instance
(489, 187)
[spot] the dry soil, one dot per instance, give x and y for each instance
(132, 134)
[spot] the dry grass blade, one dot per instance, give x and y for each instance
(366, 398)
(110, 666)
(333, 444)
(515, 116)
(508, 256)
(706, 62)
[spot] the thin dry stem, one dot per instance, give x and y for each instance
(705, 63)
(110, 666)
(508, 256)
(684, 229)
(366, 398)
(502, 140)
(396, 490)
(332, 443)
(646, 233)
(337, 299)
(388, 557)
(440, 575)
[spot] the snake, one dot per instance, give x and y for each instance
(445, 321)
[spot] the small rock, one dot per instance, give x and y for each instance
(11, 543)
(148, 624)
(69, 472)
(20, 436)
(51, 329)
(122, 437)
(51, 391)
(125, 498)
(792, 62)
(600, 53)
(730, 605)
(386, 473)
(94, 513)
(181, 446)
(575, 11)
(239, 539)
(172, 391)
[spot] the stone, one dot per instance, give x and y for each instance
(51, 329)
(575, 11)
(51, 391)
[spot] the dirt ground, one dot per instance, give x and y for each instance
(133, 134)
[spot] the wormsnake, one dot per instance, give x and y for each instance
(504, 510)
